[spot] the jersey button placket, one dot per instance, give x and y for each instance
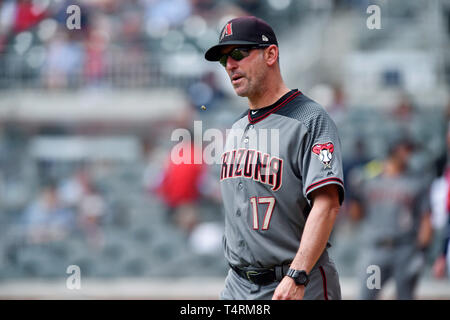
(247, 139)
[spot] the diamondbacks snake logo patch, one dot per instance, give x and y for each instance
(325, 153)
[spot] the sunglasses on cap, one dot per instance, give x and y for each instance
(238, 54)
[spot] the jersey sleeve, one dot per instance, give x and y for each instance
(320, 159)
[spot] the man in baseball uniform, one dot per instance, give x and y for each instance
(395, 209)
(281, 176)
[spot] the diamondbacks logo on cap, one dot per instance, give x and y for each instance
(325, 152)
(227, 31)
(264, 38)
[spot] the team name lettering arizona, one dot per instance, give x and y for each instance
(252, 164)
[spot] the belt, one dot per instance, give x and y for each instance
(262, 276)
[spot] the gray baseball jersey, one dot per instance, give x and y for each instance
(393, 206)
(272, 161)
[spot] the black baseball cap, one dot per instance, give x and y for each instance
(247, 31)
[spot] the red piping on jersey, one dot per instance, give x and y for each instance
(324, 283)
(318, 183)
(278, 107)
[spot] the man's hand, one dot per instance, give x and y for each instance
(288, 290)
(314, 240)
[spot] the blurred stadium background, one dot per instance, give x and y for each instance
(86, 118)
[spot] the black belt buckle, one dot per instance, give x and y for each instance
(257, 277)
(250, 275)
(260, 278)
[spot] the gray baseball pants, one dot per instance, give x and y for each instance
(323, 285)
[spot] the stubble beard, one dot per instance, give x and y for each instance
(252, 86)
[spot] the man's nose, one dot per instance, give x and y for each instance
(231, 63)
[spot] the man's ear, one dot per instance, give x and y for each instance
(271, 55)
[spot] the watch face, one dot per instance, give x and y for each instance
(302, 278)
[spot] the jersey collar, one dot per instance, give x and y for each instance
(262, 113)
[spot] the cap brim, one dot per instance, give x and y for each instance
(214, 54)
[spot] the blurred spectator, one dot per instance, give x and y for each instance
(180, 188)
(358, 160)
(27, 14)
(73, 189)
(441, 266)
(46, 219)
(440, 197)
(131, 28)
(395, 208)
(439, 192)
(90, 213)
(206, 92)
(63, 61)
(79, 193)
(95, 56)
(355, 163)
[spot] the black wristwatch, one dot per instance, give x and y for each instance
(300, 276)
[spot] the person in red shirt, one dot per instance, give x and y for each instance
(180, 190)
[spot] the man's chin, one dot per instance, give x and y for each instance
(241, 92)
